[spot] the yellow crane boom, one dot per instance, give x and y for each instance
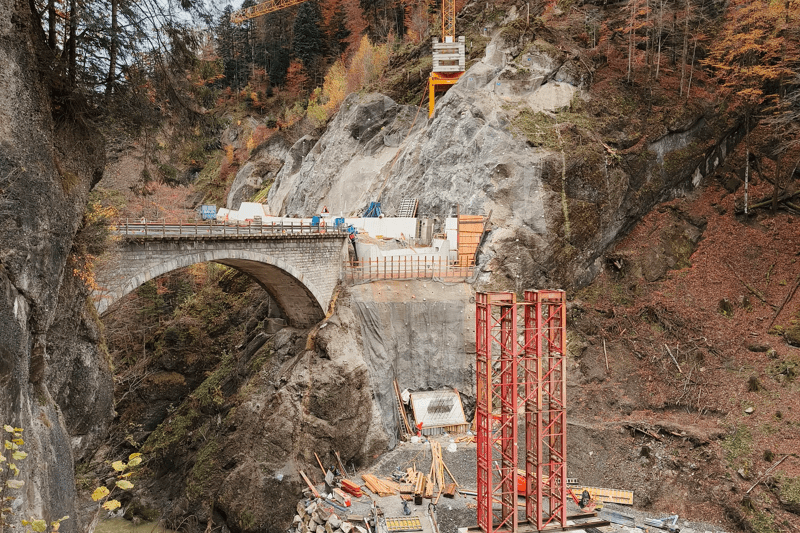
(270, 6)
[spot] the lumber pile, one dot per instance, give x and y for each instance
(351, 488)
(381, 487)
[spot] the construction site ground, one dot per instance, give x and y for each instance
(460, 511)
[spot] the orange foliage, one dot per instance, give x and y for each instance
(259, 135)
(296, 78)
(161, 201)
(416, 20)
(328, 7)
(356, 23)
(366, 65)
(750, 54)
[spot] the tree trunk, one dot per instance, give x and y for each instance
(112, 53)
(648, 38)
(685, 48)
(631, 38)
(72, 55)
(660, 31)
(691, 69)
(747, 158)
(51, 24)
(777, 187)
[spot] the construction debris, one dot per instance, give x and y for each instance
(669, 523)
(351, 488)
(406, 523)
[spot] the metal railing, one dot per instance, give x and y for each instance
(179, 228)
(406, 267)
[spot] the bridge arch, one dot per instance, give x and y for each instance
(303, 302)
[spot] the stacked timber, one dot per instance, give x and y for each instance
(351, 488)
(381, 487)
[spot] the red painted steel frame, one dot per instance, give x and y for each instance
(496, 411)
(512, 379)
(544, 375)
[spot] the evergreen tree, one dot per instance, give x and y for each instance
(337, 31)
(307, 44)
(279, 64)
(234, 49)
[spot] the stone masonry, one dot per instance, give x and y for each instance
(299, 271)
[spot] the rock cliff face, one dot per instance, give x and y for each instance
(232, 451)
(258, 171)
(53, 381)
(554, 209)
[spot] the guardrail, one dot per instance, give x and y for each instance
(406, 267)
(166, 228)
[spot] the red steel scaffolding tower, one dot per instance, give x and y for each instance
(521, 370)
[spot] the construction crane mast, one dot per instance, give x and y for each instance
(449, 58)
(270, 6)
(448, 19)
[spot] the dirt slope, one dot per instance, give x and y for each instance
(676, 428)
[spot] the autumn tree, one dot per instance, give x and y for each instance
(754, 58)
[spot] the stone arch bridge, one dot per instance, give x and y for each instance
(299, 266)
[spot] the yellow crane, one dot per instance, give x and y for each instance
(449, 58)
(270, 6)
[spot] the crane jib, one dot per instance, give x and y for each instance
(270, 6)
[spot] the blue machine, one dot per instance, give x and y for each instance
(315, 221)
(351, 230)
(208, 212)
(373, 211)
(338, 222)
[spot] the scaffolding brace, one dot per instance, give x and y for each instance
(521, 380)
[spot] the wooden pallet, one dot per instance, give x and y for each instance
(403, 523)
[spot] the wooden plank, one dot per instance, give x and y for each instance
(401, 409)
(428, 487)
(310, 485)
(470, 230)
(351, 488)
(341, 466)
(450, 491)
(624, 497)
(324, 473)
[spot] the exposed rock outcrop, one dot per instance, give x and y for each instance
(259, 170)
(49, 365)
(554, 210)
(241, 437)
